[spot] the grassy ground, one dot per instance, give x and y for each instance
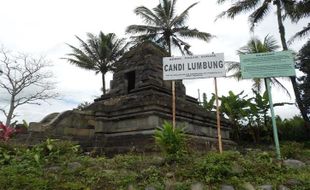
(59, 165)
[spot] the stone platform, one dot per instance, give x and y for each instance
(138, 102)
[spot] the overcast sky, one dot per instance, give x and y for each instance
(44, 27)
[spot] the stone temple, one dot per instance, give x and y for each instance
(138, 102)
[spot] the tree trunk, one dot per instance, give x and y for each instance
(292, 78)
(103, 83)
(280, 25)
(169, 46)
(301, 106)
(11, 111)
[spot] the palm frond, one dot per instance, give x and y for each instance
(176, 43)
(220, 1)
(194, 33)
(147, 15)
(256, 46)
(134, 29)
(85, 48)
(163, 13)
(239, 7)
(235, 68)
(180, 19)
(298, 10)
(148, 37)
(182, 45)
(304, 32)
(270, 43)
(278, 84)
(80, 59)
(257, 84)
(251, 47)
(172, 8)
(259, 14)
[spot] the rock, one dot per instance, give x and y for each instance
(227, 187)
(53, 169)
(236, 168)
(282, 187)
(130, 187)
(170, 181)
(110, 172)
(265, 187)
(295, 164)
(73, 166)
(292, 182)
(170, 186)
(170, 175)
(248, 186)
(150, 188)
(158, 161)
(197, 186)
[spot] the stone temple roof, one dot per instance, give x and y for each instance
(141, 66)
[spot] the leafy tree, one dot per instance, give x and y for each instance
(208, 105)
(164, 27)
(82, 106)
(97, 53)
(235, 107)
(24, 81)
(257, 114)
(293, 129)
(260, 9)
(304, 65)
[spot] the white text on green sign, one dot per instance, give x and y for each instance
(271, 64)
(193, 67)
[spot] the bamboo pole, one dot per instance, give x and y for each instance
(218, 118)
(173, 104)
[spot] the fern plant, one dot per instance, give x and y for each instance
(171, 141)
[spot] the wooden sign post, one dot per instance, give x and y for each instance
(218, 118)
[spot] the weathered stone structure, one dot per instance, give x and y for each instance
(138, 102)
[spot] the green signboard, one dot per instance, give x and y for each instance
(271, 64)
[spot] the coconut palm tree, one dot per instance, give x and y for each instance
(260, 9)
(97, 53)
(164, 27)
(255, 45)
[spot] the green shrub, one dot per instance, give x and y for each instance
(171, 141)
(293, 129)
(21, 176)
(261, 168)
(73, 186)
(5, 155)
(52, 149)
(291, 149)
(150, 175)
(216, 167)
(130, 162)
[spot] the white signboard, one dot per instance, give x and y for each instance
(193, 67)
